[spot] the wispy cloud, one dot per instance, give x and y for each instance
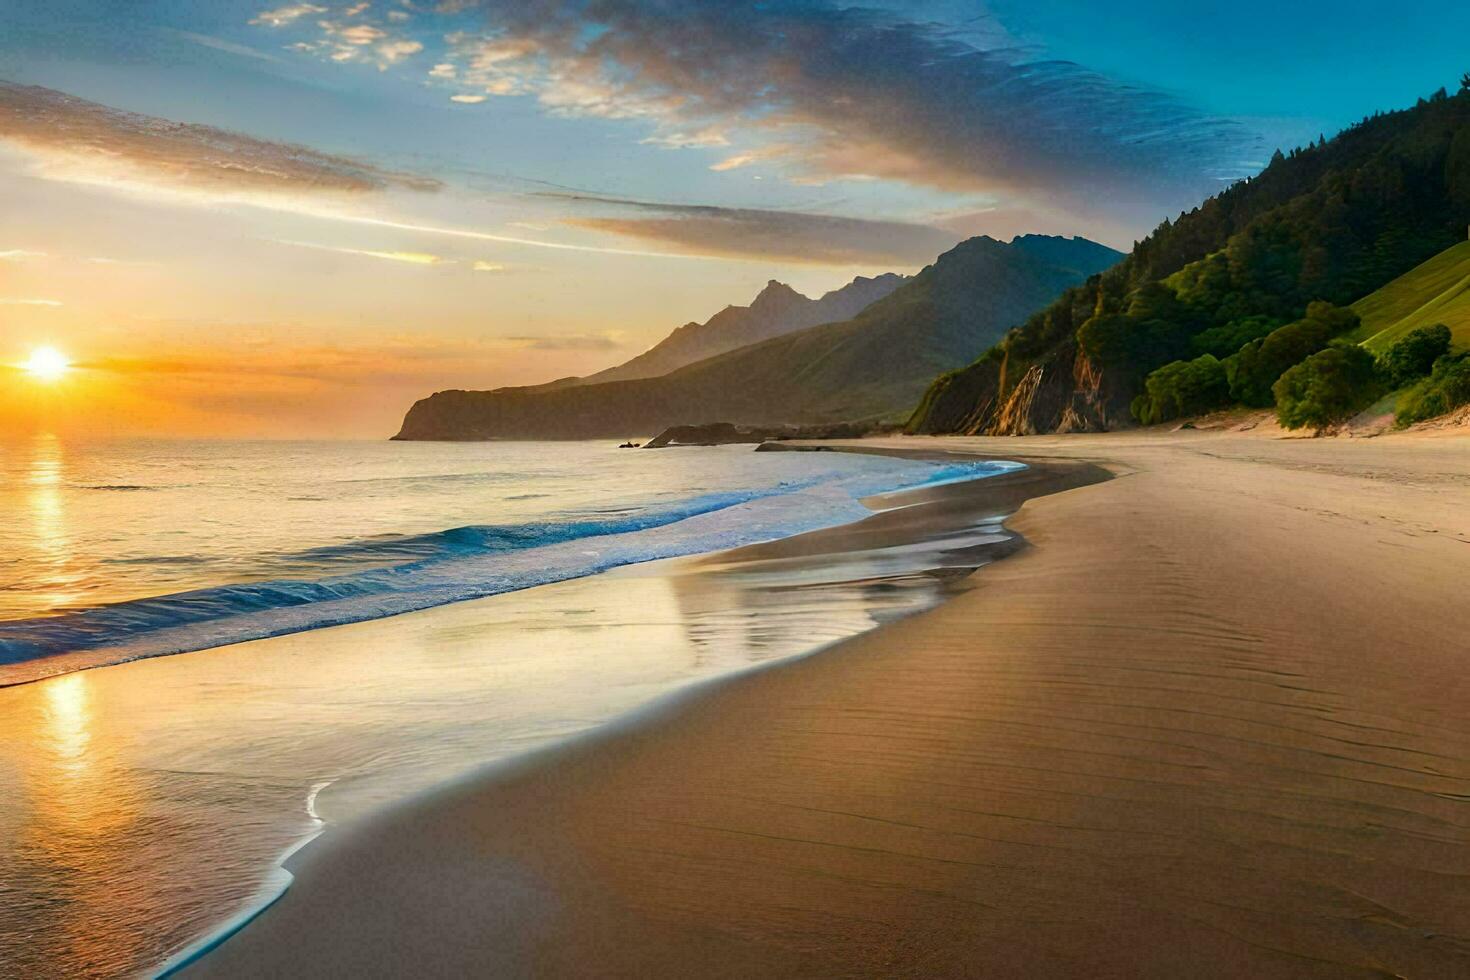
(412, 258)
(349, 36)
(577, 341)
(749, 233)
(30, 302)
(19, 255)
(81, 140)
(289, 14)
(832, 90)
(392, 52)
(482, 266)
(108, 260)
(487, 236)
(220, 44)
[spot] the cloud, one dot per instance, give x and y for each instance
(19, 255)
(351, 37)
(705, 136)
(489, 236)
(482, 266)
(748, 233)
(30, 302)
(850, 91)
(289, 14)
(358, 34)
(81, 140)
(105, 260)
(468, 99)
(412, 258)
(392, 52)
(576, 341)
(220, 44)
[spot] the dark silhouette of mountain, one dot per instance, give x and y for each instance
(871, 366)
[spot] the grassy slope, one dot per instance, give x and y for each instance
(1438, 291)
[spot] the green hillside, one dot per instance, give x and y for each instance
(1437, 291)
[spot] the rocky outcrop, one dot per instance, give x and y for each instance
(1062, 392)
(727, 433)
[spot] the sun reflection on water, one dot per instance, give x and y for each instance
(55, 565)
(68, 722)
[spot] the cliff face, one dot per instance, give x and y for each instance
(873, 366)
(1064, 392)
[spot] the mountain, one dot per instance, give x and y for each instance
(1331, 222)
(873, 365)
(777, 310)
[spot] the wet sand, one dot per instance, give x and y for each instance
(1210, 723)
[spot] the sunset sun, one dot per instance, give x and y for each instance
(47, 364)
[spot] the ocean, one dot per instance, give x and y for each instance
(154, 800)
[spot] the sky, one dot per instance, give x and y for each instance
(291, 219)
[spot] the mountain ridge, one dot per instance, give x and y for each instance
(777, 309)
(873, 365)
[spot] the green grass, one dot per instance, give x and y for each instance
(1438, 291)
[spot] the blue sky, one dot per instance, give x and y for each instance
(1310, 66)
(486, 192)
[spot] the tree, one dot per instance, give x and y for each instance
(1327, 387)
(1254, 370)
(1226, 340)
(1465, 82)
(1183, 388)
(1413, 356)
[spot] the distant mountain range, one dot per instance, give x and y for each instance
(870, 364)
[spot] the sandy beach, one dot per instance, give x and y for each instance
(1210, 722)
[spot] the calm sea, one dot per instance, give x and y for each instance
(149, 802)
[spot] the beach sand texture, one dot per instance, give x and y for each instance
(1211, 723)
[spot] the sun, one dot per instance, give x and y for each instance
(47, 364)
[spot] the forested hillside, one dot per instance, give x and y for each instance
(1325, 224)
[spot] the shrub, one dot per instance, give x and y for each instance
(1413, 356)
(1446, 389)
(1327, 387)
(1183, 388)
(1255, 369)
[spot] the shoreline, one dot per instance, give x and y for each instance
(200, 771)
(1183, 671)
(997, 497)
(922, 510)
